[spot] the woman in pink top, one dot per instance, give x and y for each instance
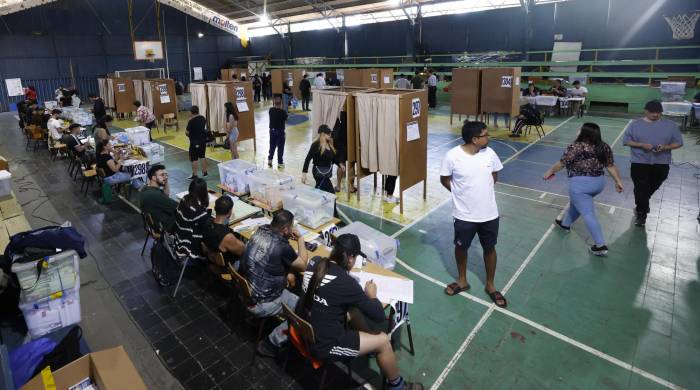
(145, 117)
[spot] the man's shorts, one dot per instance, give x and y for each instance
(346, 347)
(465, 232)
(197, 151)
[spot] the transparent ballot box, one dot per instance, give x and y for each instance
(311, 207)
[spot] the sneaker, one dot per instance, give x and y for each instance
(266, 348)
(641, 219)
(269, 163)
(599, 250)
(280, 166)
(391, 199)
(205, 174)
(564, 228)
(191, 177)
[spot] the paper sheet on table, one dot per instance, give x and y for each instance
(412, 131)
(252, 223)
(307, 234)
(389, 289)
(242, 106)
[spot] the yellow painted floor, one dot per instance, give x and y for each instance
(442, 137)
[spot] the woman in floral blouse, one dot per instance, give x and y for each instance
(586, 161)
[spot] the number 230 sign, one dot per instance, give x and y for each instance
(415, 107)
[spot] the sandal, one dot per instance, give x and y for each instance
(497, 296)
(456, 289)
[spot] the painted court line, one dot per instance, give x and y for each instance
(621, 134)
(560, 195)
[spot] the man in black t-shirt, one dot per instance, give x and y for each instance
(305, 88)
(278, 119)
(219, 236)
(267, 261)
(197, 133)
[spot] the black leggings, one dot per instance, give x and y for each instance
(389, 184)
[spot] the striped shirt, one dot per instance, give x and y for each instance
(190, 224)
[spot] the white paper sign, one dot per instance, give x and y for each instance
(412, 131)
(240, 93)
(506, 81)
(242, 106)
(517, 81)
(121, 87)
(389, 289)
(373, 78)
(387, 80)
(14, 87)
(415, 107)
(164, 97)
(198, 73)
(290, 82)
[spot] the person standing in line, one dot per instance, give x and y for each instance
(432, 89)
(651, 140)
(145, 117)
(323, 154)
(286, 95)
(417, 81)
(98, 107)
(266, 85)
(319, 81)
(278, 119)
(305, 88)
(232, 129)
(257, 87)
(197, 133)
(469, 172)
(585, 161)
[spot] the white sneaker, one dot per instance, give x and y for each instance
(391, 199)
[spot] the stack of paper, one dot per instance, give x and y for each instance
(389, 289)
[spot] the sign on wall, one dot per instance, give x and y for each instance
(14, 87)
(506, 81)
(197, 73)
(163, 92)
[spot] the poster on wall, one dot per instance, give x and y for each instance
(14, 87)
(387, 80)
(412, 131)
(373, 78)
(121, 87)
(163, 91)
(197, 73)
(415, 107)
(506, 81)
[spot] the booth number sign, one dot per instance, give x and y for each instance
(506, 81)
(415, 107)
(373, 78)
(240, 93)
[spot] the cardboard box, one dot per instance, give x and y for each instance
(110, 369)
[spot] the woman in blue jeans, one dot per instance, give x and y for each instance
(585, 161)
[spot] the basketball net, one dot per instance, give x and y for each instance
(683, 25)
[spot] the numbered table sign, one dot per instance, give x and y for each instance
(137, 168)
(327, 232)
(415, 107)
(400, 315)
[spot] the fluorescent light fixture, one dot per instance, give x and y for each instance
(199, 35)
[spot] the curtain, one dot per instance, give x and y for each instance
(378, 117)
(147, 94)
(199, 97)
(217, 112)
(109, 102)
(327, 108)
(102, 88)
(138, 90)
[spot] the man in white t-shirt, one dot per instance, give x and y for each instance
(55, 126)
(470, 172)
(578, 90)
(319, 81)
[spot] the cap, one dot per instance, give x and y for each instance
(654, 106)
(351, 244)
(324, 129)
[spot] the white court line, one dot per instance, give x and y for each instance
(543, 195)
(509, 159)
(560, 195)
(621, 134)
(446, 143)
(612, 210)
(506, 144)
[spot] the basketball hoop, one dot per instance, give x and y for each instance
(683, 25)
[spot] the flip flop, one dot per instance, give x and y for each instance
(497, 296)
(456, 289)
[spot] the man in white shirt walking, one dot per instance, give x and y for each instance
(469, 172)
(432, 89)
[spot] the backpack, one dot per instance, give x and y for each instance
(164, 265)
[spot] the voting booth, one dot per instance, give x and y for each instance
(500, 91)
(123, 95)
(292, 76)
(159, 96)
(465, 91)
(240, 93)
(369, 78)
(227, 74)
(392, 136)
(105, 87)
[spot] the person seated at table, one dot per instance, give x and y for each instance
(73, 142)
(110, 166)
(578, 90)
(329, 291)
(557, 89)
(531, 90)
(529, 115)
(191, 220)
(219, 236)
(55, 126)
(266, 262)
(156, 200)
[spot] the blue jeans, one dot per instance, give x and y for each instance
(277, 139)
(117, 178)
(582, 190)
(278, 336)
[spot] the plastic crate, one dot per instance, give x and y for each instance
(139, 135)
(5, 183)
(267, 187)
(59, 273)
(234, 175)
(154, 152)
(311, 207)
(379, 248)
(677, 108)
(46, 315)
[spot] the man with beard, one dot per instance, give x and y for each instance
(155, 198)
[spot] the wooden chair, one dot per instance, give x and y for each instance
(217, 264)
(34, 134)
(170, 120)
(152, 229)
(89, 174)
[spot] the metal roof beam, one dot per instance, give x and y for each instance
(325, 10)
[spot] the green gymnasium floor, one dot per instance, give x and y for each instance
(627, 321)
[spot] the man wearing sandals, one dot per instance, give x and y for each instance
(469, 172)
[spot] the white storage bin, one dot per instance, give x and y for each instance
(235, 175)
(49, 314)
(138, 135)
(379, 248)
(59, 273)
(311, 207)
(267, 186)
(5, 183)
(676, 108)
(154, 152)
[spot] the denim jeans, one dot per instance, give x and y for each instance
(278, 336)
(118, 177)
(582, 189)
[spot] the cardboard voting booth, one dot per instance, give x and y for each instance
(240, 93)
(500, 91)
(162, 96)
(369, 78)
(123, 95)
(227, 74)
(465, 92)
(292, 76)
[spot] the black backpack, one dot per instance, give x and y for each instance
(163, 264)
